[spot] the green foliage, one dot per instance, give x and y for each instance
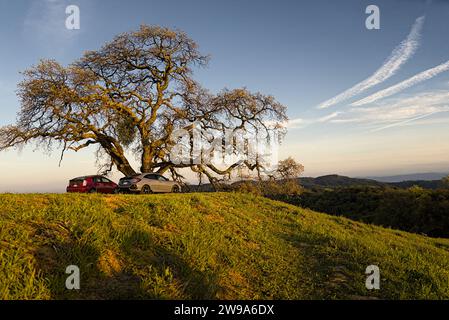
(270, 188)
(126, 132)
(205, 246)
(446, 182)
(289, 169)
(415, 209)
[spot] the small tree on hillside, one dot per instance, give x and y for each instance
(289, 169)
(446, 182)
(284, 182)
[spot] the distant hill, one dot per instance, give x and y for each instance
(412, 177)
(329, 181)
(337, 181)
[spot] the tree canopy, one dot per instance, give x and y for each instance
(130, 97)
(289, 169)
(446, 181)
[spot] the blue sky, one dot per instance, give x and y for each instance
(305, 53)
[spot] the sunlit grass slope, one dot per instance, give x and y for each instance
(205, 246)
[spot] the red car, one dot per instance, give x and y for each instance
(92, 184)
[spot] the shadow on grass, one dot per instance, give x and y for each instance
(168, 275)
(95, 283)
(139, 269)
(327, 275)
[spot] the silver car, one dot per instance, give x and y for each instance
(147, 183)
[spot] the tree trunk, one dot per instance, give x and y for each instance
(146, 165)
(126, 169)
(117, 154)
(123, 165)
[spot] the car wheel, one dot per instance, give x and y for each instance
(146, 189)
(117, 191)
(176, 189)
(92, 191)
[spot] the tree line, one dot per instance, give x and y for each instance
(415, 209)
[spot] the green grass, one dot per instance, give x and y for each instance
(205, 246)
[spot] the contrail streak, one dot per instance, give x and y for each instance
(420, 77)
(405, 121)
(400, 55)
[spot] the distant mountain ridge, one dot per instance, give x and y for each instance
(333, 181)
(338, 181)
(429, 176)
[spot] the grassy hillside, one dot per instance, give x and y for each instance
(205, 246)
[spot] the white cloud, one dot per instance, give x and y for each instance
(400, 55)
(441, 119)
(420, 77)
(399, 111)
(295, 123)
(328, 117)
(300, 123)
(401, 123)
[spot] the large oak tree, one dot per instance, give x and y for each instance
(128, 98)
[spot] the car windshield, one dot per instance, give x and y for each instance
(133, 176)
